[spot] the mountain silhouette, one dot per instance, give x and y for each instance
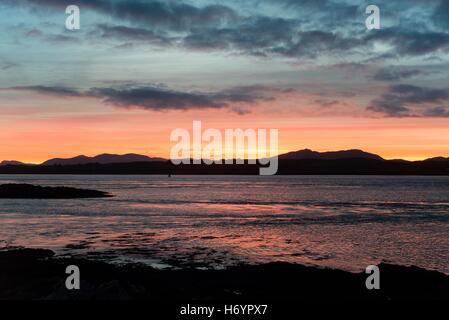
(330, 155)
(13, 163)
(102, 159)
(298, 162)
(438, 159)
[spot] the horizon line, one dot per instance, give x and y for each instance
(38, 162)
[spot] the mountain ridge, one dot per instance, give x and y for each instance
(304, 154)
(103, 158)
(330, 155)
(14, 163)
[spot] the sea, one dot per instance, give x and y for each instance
(213, 222)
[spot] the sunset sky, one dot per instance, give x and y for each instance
(138, 69)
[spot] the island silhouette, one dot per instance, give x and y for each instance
(301, 162)
(28, 191)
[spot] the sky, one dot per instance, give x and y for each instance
(136, 70)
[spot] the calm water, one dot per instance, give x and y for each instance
(346, 222)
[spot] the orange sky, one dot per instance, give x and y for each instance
(35, 139)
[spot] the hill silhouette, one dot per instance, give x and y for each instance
(330, 155)
(13, 163)
(302, 162)
(102, 158)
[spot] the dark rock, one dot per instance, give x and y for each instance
(27, 191)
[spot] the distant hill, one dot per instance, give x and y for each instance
(102, 159)
(438, 159)
(286, 167)
(302, 162)
(13, 163)
(330, 155)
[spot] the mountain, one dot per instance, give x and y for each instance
(68, 161)
(330, 155)
(102, 159)
(437, 159)
(13, 163)
(302, 162)
(355, 166)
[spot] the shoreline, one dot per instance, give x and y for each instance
(37, 274)
(345, 166)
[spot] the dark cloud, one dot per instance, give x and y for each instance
(395, 74)
(260, 36)
(155, 98)
(410, 42)
(332, 12)
(172, 15)
(34, 33)
(265, 36)
(439, 111)
(39, 35)
(8, 65)
(254, 35)
(213, 27)
(161, 98)
(407, 100)
(60, 38)
(59, 91)
(314, 43)
(309, 31)
(131, 34)
(441, 14)
(327, 103)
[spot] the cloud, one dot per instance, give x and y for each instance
(131, 34)
(313, 43)
(172, 15)
(59, 38)
(407, 100)
(332, 12)
(58, 91)
(441, 14)
(260, 36)
(159, 98)
(395, 74)
(410, 42)
(327, 103)
(286, 28)
(212, 27)
(288, 37)
(34, 33)
(439, 111)
(155, 98)
(39, 35)
(254, 35)
(8, 65)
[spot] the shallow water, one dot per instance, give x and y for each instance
(347, 222)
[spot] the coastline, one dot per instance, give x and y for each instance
(36, 274)
(346, 166)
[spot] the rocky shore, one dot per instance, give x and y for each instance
(37, 274)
